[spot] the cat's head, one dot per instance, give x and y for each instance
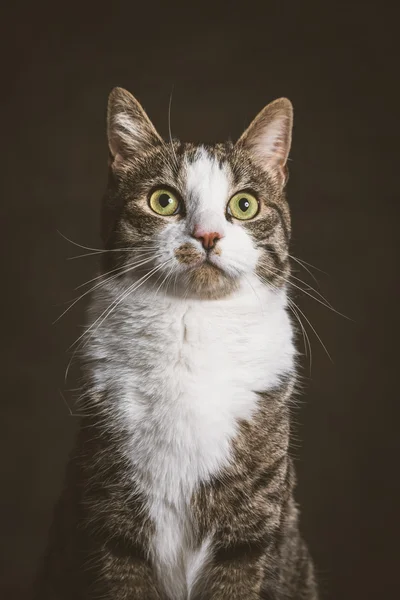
(202, 218)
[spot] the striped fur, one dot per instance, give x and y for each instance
(180, 486)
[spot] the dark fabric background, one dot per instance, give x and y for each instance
(338, 63)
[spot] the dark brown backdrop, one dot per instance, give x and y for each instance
(338, 65)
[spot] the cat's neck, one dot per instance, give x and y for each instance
(111, 302)
(142, 334)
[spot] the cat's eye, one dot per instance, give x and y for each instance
(164, 202)
(243, 206)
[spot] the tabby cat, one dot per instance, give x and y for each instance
(180, 485)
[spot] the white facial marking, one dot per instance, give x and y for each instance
(208, 188)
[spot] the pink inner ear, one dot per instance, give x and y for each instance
(271, 144)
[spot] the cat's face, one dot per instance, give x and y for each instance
(198, 220)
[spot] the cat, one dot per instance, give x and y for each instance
(180, 485)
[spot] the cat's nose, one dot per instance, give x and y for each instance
(208, 239)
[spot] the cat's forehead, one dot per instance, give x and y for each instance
(204, 173)
(207, 170)
(208, 178)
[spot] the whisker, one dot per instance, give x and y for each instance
(163, 281)
(310, 295)
(306, 339)
(301, 261)
(71, 414)
(309, 323)
(79, 245)
(69, 366)
(292, 307)
(175, 281)
(169, 128)
(123, 271)
(130, 290)
(305, 268)
(140, 250)
(255, 293)
(95, 287)
(95, 251)
(316, 334)
(169, 279)
(313, 289)
(138, 264)
(118, 301)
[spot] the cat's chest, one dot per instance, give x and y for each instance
(190, 374)
(180, 377)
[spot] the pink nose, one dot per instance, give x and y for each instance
(208, 240)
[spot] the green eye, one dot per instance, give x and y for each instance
(164, 202)
(243, 206)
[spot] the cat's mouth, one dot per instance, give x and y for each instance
(208, 281)
(213, 264)
(189, 256)
(204, 276)
(207, 262)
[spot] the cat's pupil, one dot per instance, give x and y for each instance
(164, 200)
(244, 204)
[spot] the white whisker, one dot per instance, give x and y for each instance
(318, 337)
(163, 281)
(169, 128)
(133, 250)
(301, 262)
(293, 307)
(143, 261)
(255, 293)
(124, 269)
(305, 268)
(302, 313)
(329, 305)
(136, 285)
(278, 272)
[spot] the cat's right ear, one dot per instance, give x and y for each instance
(129, 129)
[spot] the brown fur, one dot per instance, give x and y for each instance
(102, 531)
(100, 539)
(251, 505)
(208, 282)
(187, 254)
(128, 221)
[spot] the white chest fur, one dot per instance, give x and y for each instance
(181, 374)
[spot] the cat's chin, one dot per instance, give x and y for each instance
(207, 281)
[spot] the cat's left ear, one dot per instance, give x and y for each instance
(268, 138)
(129, 129)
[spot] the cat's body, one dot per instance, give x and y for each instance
(180, 486)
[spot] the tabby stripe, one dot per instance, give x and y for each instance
(241, 550)
(126, 547)
(281, 264)
(283, 222)
(266, 477)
